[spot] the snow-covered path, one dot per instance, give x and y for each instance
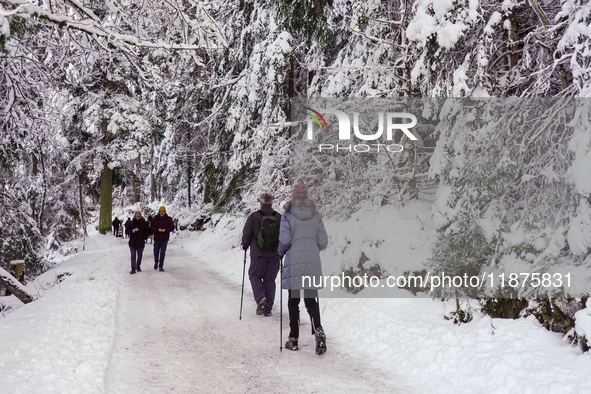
(96, 329)
(178, 331)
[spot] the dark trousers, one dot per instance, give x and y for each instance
(294, 310)
(136, 257)
(262, 274)
(159, 252)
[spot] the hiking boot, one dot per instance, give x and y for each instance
(161, 269)
(138, 269)
(132, 272)
(292, 344)
(261, 306)
(320, 341)
(268, 313)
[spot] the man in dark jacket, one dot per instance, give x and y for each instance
(264, 264)
(161, 225)
(116, 224)
(138, 232)
(127, 227)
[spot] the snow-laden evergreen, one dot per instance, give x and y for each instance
(189, 104)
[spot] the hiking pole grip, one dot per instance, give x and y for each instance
(242, 293)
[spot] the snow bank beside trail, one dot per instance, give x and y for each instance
(397, 239)
(220, 246)
(410, 337)
(61, 342)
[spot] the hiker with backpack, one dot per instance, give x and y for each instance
(261, 235)
(301, 238)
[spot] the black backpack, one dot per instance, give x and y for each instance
(268, 237)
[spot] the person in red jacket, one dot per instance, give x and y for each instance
(161, 225)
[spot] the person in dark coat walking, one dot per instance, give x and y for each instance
(301, 238)
(116, 224)
(264, 264)
(138, 232)
(150, 232)
(127, 227)
(161, 225)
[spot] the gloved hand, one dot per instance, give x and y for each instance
(244, 247)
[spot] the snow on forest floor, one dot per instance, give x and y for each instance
(103, 330)
(409, 337)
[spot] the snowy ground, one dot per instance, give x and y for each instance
(102, 330)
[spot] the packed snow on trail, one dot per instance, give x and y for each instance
(97, 329)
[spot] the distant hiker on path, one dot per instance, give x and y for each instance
(261, 235)
(116, 224)
(161, 225)
(150, 232)
(301, 238)
(138, 232)
(127, 227)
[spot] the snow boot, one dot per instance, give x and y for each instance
(261, 306)
(161, 269)
(268, 313)
(156, 265)
(320, 341)
(138, 269)
(132, 272)
(292, 344)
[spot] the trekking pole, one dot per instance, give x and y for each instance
(281, 306)
(242, 295)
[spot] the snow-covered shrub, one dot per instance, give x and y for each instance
(20, 238)
(513, 193)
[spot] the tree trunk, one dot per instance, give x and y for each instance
(189, 184)
(412, 185)
(41, 211)
(135, 191)
(152, 187)
(206, 192)
(152, 177)
(106, 199)
(290, 90)
(514, 56)
(82, 221)
(544, 19)
(136, 182)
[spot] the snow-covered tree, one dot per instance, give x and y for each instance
(514, 190)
